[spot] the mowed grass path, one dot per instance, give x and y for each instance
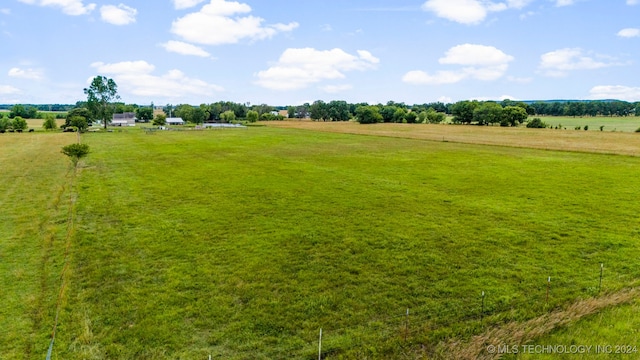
(242, 244)
(34, 206)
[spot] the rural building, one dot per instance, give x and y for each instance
(175, 121)
(126, 119)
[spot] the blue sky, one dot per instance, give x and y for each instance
(284, 52)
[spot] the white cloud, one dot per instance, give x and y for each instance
(558, 63)
(218, 23)
(334, 89)
(185, 4)
(617, 92)
(629, 32)
(418, 77)
(633, 2)
(299, 68)
(8, 90)
(69, 7)
(118, 15)
(5, 11)
(560, 3)
(480, 62)
(470, 11)
(137, 78)
(31, 74)
(183, 48)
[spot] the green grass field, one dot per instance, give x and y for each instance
(243, 244)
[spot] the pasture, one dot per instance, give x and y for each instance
(243, 244)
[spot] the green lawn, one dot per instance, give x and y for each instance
(242, 244)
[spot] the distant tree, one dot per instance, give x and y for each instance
(186, 112)
(252, 116)
(5, 123)
(368, 115)
(23, 112)
(338, 111)
(411, 117)
(487, 113)
(291, 112)
(536, 123)
(79, 118)
(513, 115)
(160, 120)
(100, 97)
(435, 117)
(75, 152)
(200, 114)
(399, 115)
(422, 117)
(319, 111)
(144, 114)
(228, 116)
(19, 123)
(388, 112)
(463, 111)
(49, 122)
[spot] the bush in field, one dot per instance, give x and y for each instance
(49, 122)
(19, 123)
(228, 116)
(601, 127)
(5, 124)
(536, 123)
(75, 152)
(586, 127)
(368, 115)
(637, 130)
(252, 116)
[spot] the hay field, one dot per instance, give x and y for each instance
(547, 139)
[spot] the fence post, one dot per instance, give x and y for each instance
(548, 288)
(600, 283)
(320, 346)
(406, 328)
(482, 308)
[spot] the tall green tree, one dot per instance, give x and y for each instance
(19, 123)
(144, 114)
(368, 115)
(101, 95)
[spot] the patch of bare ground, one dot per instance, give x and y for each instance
(547, 139)
(522, 333)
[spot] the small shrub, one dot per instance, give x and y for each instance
(536, 123)
(577, 128)
(637, 130)
(76, 152)
(601, 127)
(586, 127)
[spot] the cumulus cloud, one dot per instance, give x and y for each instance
(334, 89)
(299, 68)
(629, 32)
(221, 22)
(633, 2)
(118, 15)
(558, 63)
(185, 4)
(5, 11)
(480, 62)
(31, 74)
(8, 90)
(469, 11)
(137, 78)
(69, 7)
(183, 48)
(617, 92)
